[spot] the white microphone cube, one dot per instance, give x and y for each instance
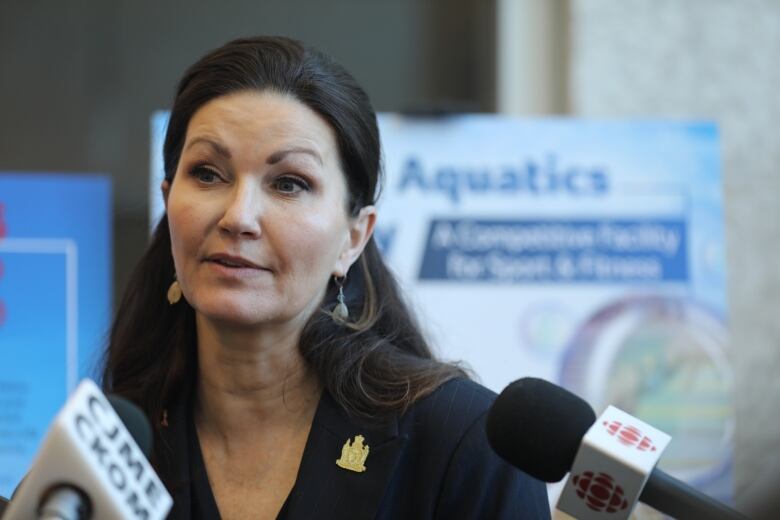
(612, 466)
(89, 448)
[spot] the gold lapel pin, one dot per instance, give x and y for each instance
(353, 455)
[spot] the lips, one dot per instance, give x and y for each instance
(236, 262)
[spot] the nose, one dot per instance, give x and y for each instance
(243, 211)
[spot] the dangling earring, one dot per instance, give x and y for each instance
(340, 311)
(174, 291)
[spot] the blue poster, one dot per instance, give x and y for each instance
(55, 286)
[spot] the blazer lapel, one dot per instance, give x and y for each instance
(175, 449)
(325, 490)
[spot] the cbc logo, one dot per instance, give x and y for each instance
(600, 492)
(629, 435)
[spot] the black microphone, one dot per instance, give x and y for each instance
(538, 426)
(135, 421)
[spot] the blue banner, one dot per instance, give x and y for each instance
(555, 251)
(55, 286)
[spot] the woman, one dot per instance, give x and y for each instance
(263, 331)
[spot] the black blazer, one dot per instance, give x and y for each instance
(434, 461)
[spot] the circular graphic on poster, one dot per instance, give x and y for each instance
(543, 328)
(662, 360)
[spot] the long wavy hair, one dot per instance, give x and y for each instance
(374, 365)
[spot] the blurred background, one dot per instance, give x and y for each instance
(79, 81)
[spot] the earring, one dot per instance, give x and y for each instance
(174, 291)
(340, 311)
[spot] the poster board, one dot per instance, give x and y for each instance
(55, 286)
(588, 253)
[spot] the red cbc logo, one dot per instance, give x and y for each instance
(600, 492)
(629, 435)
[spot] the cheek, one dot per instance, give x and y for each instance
(314, 243)
(184, 226)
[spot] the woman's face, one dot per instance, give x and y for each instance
(257, 210)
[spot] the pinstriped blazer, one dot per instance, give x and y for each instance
(434, 461)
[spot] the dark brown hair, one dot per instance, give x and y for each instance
(377, 364)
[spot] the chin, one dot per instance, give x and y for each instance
(239, 312)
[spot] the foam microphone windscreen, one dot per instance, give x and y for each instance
(135, 421)
(538, 426)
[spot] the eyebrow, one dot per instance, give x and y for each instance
(281, 154)
(272, 159)
(220, 149)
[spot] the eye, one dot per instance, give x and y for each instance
(205, 174)
(290, 185)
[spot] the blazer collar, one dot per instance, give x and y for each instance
(325, 490)
(322, 488)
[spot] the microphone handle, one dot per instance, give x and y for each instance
(64, 503)
(677, 499)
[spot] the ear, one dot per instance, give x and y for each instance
(165, 187)
(360, 229)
